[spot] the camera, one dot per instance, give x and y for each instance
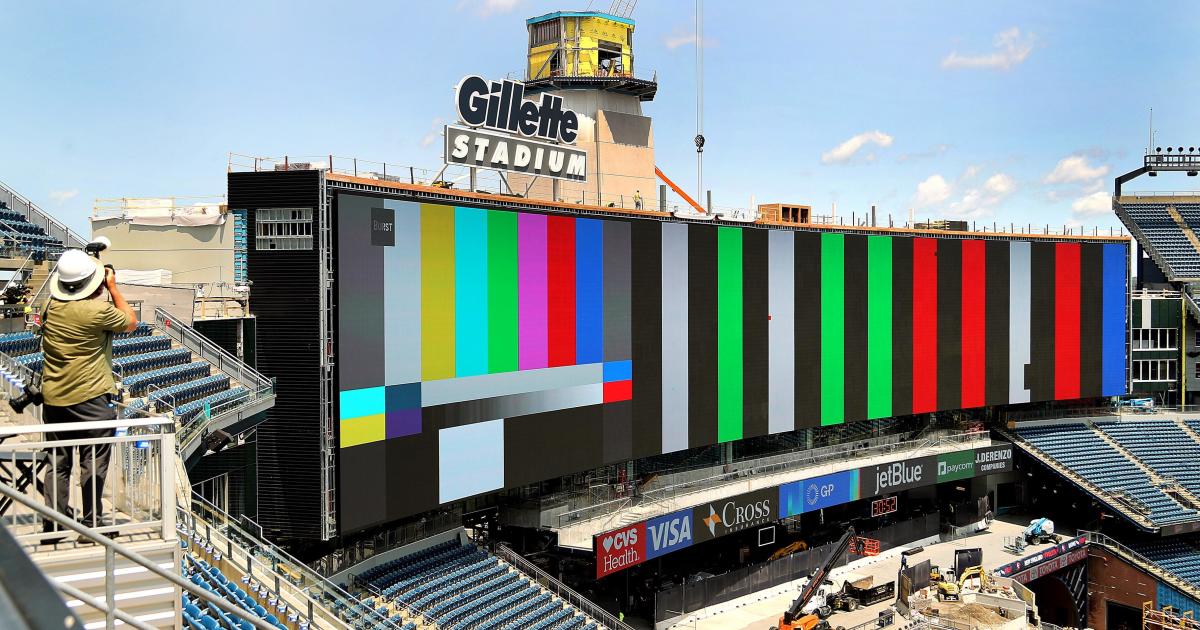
(31, 395)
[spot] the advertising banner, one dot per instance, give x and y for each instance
(954, 466)
(620, 549)
(668, 533)
(819, 492)
(994, 459)
(631, 545)
(1062, 554)
(897, 476)
(744, 511)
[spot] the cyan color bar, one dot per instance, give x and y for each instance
(618, 371)
(356, 403)
(1115, 298)
(589, 291)
(471, 292)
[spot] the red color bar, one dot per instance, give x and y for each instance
(1066, 320)
(924, 395)
(560, 260)
(974, 350)
(617, 391)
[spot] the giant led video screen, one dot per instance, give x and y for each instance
(482, 349)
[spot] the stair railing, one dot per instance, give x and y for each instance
(112, 549)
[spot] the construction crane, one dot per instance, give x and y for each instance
(794, 618)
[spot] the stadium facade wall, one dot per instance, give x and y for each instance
(1112, 579)
(482, 349)
(287, 313)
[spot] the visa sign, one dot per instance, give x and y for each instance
(620, 549)
(668, 533)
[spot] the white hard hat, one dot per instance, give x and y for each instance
(76, 277)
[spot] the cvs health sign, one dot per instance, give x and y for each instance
(620, 549)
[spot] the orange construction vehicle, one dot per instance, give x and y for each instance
(795, 618)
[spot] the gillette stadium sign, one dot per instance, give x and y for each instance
(503, 131)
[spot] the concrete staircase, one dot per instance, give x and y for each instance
(138, 592)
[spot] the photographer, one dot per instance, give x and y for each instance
(77, 379)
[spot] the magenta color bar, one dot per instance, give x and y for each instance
(531, 292)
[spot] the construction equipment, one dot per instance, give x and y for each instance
(985, 579)
(795, 618)
(860, 593)
(1040, 531)
(795, 547)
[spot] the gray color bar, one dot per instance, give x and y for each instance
(402, 297)
(1019, 288)
(467, 388)
(514, 406)
(617, 281)
(781, 328)
(361, 321)
(674, 337)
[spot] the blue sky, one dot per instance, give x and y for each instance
(1010, 112)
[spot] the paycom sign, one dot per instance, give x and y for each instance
(957, 465)
(818, 493)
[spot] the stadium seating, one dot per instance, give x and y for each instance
(1162, 445)
(152, 373)
(1080, 449)
(1166, 237)
(1175, 555)
(456, 585)
(250, 597)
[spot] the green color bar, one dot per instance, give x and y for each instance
(729, 334)
(502, 291)
(437, 292)
(833, 329)
(879, 327)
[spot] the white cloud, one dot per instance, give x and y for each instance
(1000, 184)
(1095, 204)
(1012, 48)
(435, 130)
(485, 8)
(975, 201)
(62, 196)
(686, 39)
(932, 152)
(847, 149)
(934, 190)
(1074, 168)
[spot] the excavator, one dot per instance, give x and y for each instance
(952, 591)
(794, 618)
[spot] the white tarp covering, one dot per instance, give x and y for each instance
(165, 212)
(148, 277)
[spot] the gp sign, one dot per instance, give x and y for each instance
(818, 493)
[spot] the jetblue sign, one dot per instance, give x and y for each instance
(506, 132)
(668, 533)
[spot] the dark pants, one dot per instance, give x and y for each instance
(93, 459)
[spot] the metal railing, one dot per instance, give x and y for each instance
(41, 218)
(800, 458)
(270, 565)
(561, 590)
(113, 549)
(139, 487)
(1097, 538)
(195, 428)
(459, 178)
(207, 350)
